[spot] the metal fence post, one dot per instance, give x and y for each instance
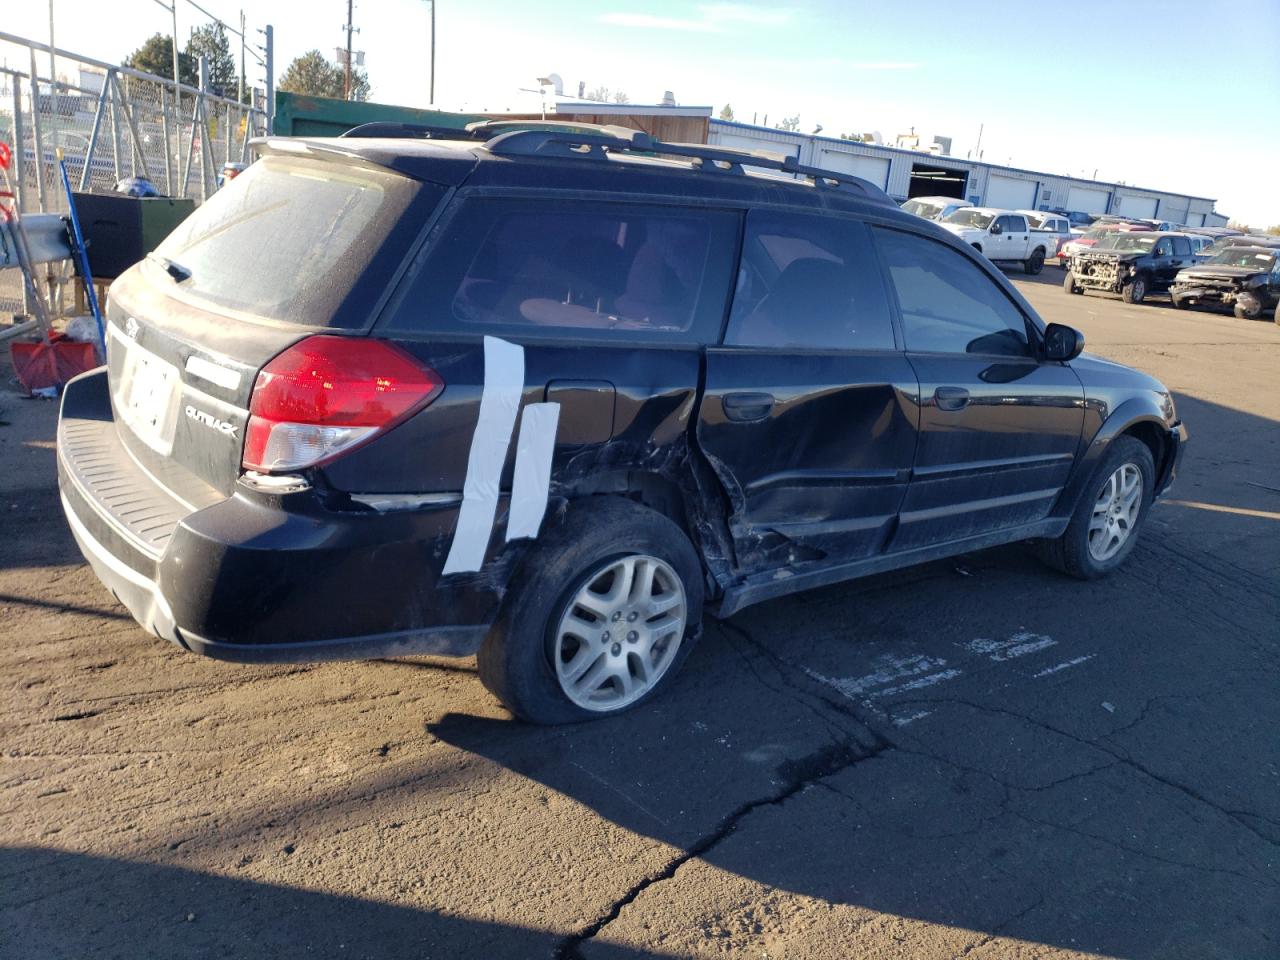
(97, 129)
(34, 97)
(19, 147)
(164, 132)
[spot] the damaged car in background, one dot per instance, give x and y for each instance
(540, 397)
(1133, 265)
(1247, 279)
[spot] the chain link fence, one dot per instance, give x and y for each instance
(110, 123)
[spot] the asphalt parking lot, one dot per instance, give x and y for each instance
(976, 758)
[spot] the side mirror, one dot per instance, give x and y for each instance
(996, 228)
(1062, 343)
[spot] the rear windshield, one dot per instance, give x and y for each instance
(296, 239)
(970, 218)
(929, 211)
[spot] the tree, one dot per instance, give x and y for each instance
(210, 41)
(726, 113)
(156, 56)
(1274, 230)
(790, 124)
(314, 76)
(621, 97)
(600, 93)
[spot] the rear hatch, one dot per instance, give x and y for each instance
(294, 246)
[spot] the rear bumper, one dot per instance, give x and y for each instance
(264, 577)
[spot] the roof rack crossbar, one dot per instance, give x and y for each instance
(417, 131)
(597, 145)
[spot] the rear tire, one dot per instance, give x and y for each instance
(1103, 513)
(1035, 264)
(1069, 283)
(1135, 291)
(533, 658)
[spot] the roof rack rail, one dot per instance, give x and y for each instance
(596, 142)
(417, 131)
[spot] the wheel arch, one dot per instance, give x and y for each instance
(1138, 417)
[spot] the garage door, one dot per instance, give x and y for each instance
(1175, 212)
(1087, 201)
(734, 142)
(1142, 207)
(875, 169)
(1195, 220)
(1009, 193)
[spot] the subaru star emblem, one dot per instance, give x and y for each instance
(131, 328)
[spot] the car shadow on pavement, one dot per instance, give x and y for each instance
(139, 910)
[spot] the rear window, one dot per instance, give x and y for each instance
(595, 269)
(300, 240)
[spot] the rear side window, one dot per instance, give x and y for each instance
(610, 270)
(1181, 248)
(301, 240)
(811, 282)
(948, 304)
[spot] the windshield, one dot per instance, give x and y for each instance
(1129, 241)
(291, 239)
(1245, 257)
(970, 218)
(930, 211)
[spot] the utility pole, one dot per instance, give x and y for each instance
(433, 52)
(240, 79)
(269, 51)
(346, 84)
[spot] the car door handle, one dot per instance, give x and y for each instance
(746, 406)
(951, 398)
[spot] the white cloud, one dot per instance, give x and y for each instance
(647, 21)
(742, 13)
(712, 18)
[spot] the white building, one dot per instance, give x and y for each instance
(909, 173)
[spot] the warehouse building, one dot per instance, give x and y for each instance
(904, 174)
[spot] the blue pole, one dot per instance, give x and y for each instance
(83, 254)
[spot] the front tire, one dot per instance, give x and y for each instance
(1069, 283)
(1035, 264)
(1135, 291)
(1250, 311)
(1110, 514)
(602, 613)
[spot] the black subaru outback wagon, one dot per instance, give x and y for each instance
(549, 396)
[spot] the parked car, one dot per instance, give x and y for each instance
(934, 208)
(1052, 228)
(547, 399)
(1080, 221)
(1004, 236)
(1097, 234)
(1247, 279)
(1133, 265)
(1139, 223)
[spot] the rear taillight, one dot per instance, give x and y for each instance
(325, 395)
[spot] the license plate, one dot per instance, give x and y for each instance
(146, 396)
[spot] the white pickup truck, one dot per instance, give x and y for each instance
(1003, 235)
(1053, 228)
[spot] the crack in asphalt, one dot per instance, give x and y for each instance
(848, 750)
(808, 771)
(1119, 754)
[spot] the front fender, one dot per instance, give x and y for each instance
(1130, 413)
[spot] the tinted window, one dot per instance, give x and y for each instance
(1181, 248)
(295, 239)
(1162, 248)
(613, 269)
(809, 282)
(949, 305)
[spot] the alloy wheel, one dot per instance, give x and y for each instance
(1115, 512)
(619, 632)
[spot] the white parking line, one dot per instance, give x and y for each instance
(1066, 664)
(1018, 645)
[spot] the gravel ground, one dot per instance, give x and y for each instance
(975, 758)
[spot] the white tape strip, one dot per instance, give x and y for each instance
(503, 385)
(532, 482)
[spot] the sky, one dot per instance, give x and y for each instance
(1179, 95)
